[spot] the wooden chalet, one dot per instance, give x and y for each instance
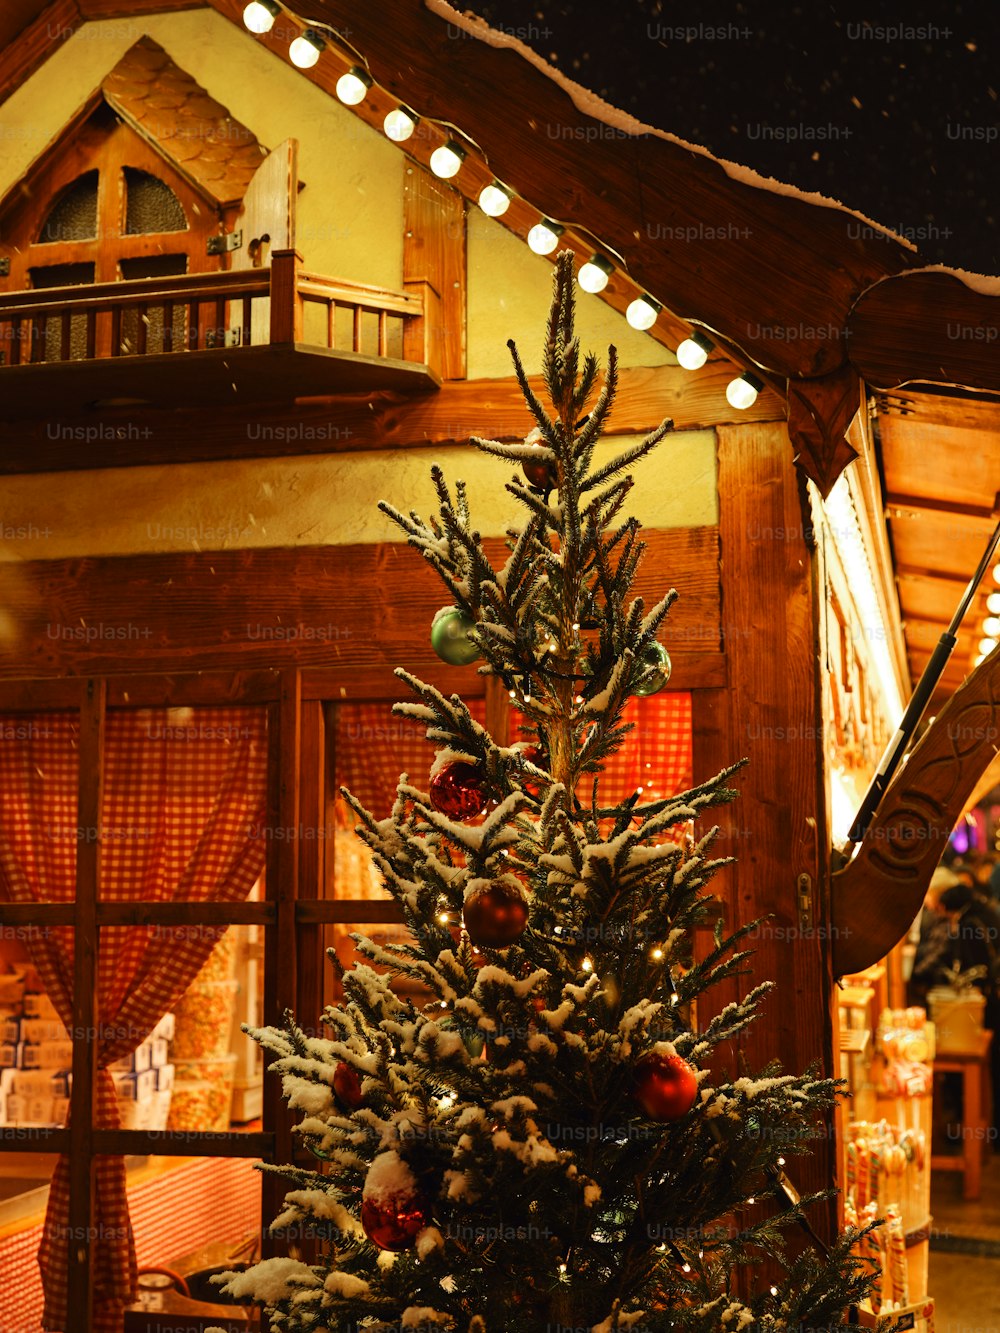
(234, 314)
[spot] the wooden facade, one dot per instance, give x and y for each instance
(90, 630)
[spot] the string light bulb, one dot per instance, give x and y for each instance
(259, 16)
(693, 352)
(494, 199)
(588, 966)
(594, 274)
(657, 954)
(996, 573)
(446, 161)
(642, 313)
(993, 603)
(986, 646)
(991, 626)
(400, 123)
(306, 49)
(544, 237)
(352, 87)
(742, 392)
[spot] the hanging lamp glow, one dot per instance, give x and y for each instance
(446, 161)
(400, 123)
(642, 313)
(352, 87)
(993, 603)
(742, 393)
(544, 236)
(306, 49)
(594, 274)
(986, 646)
(693, 352)
(494, 199)
(259, 16)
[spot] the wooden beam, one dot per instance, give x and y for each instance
(928, 504)
(926, 326)
(189, 689)
(281, 879)
(255, 610)
(125, 437)
(774, 719)
(80, 1244)
(956, 411)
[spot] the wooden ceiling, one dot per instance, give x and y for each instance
(940, 457)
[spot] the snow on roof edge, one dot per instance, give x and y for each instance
(590, 104)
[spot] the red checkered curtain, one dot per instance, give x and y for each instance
(656, 754)
(182, 812)
(374, 747)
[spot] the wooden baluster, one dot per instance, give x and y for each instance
(357, 328)
(15, 341)
(383, 333)
(141, 328)
(220, 321)
(66, 344)
(246, 332)
(194, 315)
(39, 328)
(331, 324)
(116, 330)
(91, 348)
(167, 335)
(286, 301)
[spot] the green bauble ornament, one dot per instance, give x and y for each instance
(656, 659)
(450, 636)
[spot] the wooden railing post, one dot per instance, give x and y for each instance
(286, 304)
(423, 338)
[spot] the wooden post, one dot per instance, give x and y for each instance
(281, 886)
(286, 307)
(434, 245)
(82, 1167)
(423, 338)
(770, 630)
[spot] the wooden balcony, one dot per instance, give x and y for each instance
(237, 338)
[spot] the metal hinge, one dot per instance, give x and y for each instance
(804, 901)
(5, 267)
(221, 245)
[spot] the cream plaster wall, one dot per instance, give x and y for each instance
(307, 501)
(510, 288)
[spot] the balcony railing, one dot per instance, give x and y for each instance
(276, 306)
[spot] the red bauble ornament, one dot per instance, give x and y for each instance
(347, 1086)
(457, 790)
(394, 1223)
(496, 919)
(541, 472)
(534, 755)
(665, 1086)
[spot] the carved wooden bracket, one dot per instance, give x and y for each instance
(819, 413)
(877, 895)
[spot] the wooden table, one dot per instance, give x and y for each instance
(974, 1068)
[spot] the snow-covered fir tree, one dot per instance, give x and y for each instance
(536, 1145)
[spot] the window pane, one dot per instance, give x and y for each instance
(62, 275)
(150, 204)
(164, 333)
(74, 217)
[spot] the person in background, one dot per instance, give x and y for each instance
(929, 933)
(972, 939)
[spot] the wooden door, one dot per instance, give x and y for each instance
(267, 222)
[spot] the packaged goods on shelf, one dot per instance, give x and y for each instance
(135, 1062)
(32, 1030)
(204, 1018)
(46, 1054)
(159, 1052)
(164, 1078)
(12, 988)
(958, 1019)
(38, 1005)
(136, 1087)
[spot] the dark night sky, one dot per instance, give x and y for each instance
(896, 114)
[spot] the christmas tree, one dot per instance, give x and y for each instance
(536, 1143)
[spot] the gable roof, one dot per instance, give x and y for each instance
(175, 114)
